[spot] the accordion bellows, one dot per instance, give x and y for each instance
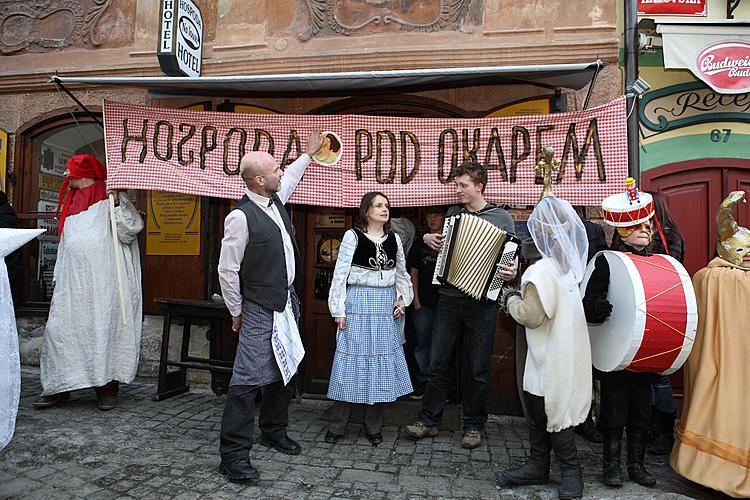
(472, 250)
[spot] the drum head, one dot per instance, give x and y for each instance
(615, 342)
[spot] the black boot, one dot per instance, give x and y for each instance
(636, 447)
(588, 431)
(571, 479)
(611, 470)
(664, 434)
(536, 468)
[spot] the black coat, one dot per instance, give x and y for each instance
(8, 219)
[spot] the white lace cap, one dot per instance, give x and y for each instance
(559, 235)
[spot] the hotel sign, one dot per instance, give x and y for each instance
(180, 38)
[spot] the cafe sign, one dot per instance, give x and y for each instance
(688, 104)
(180, 38)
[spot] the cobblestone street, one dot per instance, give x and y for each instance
(169, 449)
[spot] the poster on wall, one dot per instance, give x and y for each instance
(46, 265)
(524, 107)
(49, 225)
(54, 160)
(173, 224)
(672, 8)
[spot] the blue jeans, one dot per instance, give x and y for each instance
(422, 320)
(456, 318)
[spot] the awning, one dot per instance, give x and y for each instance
(573, 76)
(716, 51)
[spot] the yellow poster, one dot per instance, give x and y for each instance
(3, 159)
(50, 182)
(537, 106)
(173, 224)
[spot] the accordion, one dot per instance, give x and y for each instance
(473, 249)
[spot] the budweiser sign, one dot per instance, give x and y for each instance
(725, 67)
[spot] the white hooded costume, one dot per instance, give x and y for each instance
(558, 362)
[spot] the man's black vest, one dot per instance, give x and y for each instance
(263, 271)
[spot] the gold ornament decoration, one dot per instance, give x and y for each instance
(545, 167)
(734, 240)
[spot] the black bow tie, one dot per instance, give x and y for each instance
(270, 202)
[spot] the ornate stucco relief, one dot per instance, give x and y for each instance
(354, 17)
(44, 25)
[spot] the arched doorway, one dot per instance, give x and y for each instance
(43, 146)
(694, 190)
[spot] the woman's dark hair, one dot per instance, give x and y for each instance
(335, 145)
(364, 205)
(665, 216)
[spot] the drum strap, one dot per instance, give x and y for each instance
(661, 234)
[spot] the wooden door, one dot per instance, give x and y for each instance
(693, 191)
(739, 180)
(693, 197)
(173, 276)
(322, 229)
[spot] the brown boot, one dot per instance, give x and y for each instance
(106, 395)
(51, 400)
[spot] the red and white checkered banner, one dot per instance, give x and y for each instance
(409, 159)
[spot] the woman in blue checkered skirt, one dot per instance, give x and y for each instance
(369, 292)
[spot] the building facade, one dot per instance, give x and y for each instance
(104, 38)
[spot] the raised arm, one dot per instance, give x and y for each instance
(294, 172)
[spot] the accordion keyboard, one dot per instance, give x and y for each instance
(509, 255)
(442, 257)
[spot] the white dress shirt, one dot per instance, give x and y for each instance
(236, 236)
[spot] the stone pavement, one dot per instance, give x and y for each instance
(168, 449)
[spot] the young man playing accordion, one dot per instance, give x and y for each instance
(457, 315)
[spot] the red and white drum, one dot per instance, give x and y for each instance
(654, 315)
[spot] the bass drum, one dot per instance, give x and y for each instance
(654, 314)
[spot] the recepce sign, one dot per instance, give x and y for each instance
(180, 38)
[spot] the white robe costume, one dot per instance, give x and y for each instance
(558, 362)
(86, 341)
(10, 365)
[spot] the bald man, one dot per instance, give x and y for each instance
(258, 267)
